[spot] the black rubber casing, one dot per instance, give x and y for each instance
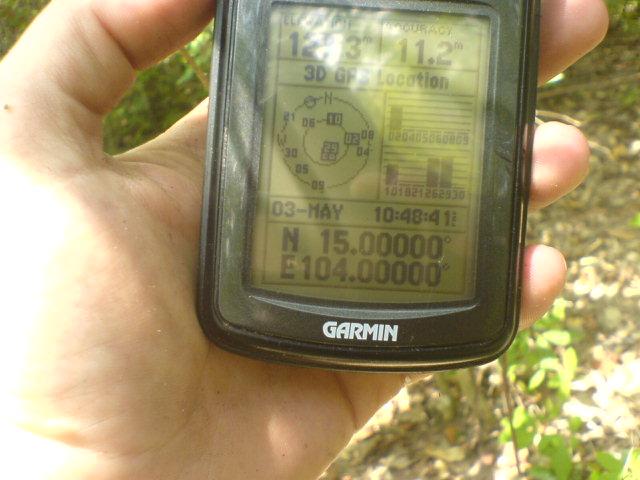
(278, 328)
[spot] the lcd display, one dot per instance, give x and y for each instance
(371, 158)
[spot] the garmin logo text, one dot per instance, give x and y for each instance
(361, 331)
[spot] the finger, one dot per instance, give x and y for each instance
(545, 271)
(79, 57)
(569, 29)
(565, 39)
(544, 275)
(560, 162)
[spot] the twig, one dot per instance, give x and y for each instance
(596, 147)
(194, 65)
(561, 117)
(595, 85)
(504, 363)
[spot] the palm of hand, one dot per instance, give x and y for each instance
(140, 378)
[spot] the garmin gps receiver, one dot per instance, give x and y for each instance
(367, 179)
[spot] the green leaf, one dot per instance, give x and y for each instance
(550, 363)
(540, 473)
(512, 372)
(525, 437)
(636, 221)
(505, 433)
(609, 462)
(561, 338)
(559, 309)
(520, 417)
(536, 379)
(575, 424)
(555, 447)
(542, 342)
(570, 362)
(524, 426)
(564, 384)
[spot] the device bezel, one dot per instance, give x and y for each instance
(433, 336)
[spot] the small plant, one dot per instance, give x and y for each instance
(542, 364)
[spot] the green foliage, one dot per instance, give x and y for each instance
(15, 16)
(542, 358)
(525, 427)
(558, 453)
(635, 222)
(625, 15)
(616, 467)
(543, 363)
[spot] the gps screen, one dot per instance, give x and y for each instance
(371, 156)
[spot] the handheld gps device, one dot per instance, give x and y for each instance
(367, 179)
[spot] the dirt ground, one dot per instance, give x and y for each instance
(431, 430)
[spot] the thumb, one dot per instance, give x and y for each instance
(79, 57)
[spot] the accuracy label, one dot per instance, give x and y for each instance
(371, 158)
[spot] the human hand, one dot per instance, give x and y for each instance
(106, 373)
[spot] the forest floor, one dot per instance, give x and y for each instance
(432, 429)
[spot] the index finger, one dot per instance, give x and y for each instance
(78, 58)
(569, 30)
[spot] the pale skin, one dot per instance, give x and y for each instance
(105, 371)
